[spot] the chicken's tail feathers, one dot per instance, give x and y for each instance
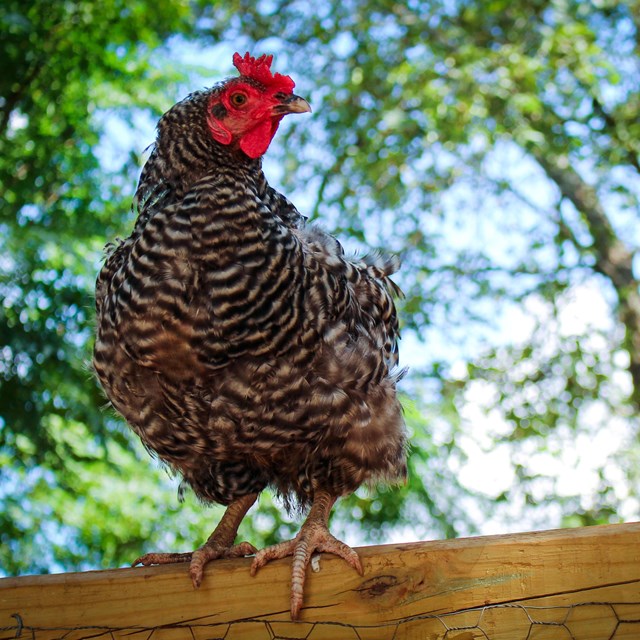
(381, 265)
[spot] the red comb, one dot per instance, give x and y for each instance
(260, 69)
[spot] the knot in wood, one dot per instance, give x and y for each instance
(377, 586)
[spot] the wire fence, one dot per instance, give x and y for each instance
(582, 621)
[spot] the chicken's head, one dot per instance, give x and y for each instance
(247, 110)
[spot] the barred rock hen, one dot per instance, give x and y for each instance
(241, 344)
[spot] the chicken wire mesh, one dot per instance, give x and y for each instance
(582, 621)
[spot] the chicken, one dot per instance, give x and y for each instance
(241, 344)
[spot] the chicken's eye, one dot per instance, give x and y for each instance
(238, 99)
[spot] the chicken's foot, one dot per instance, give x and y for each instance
(313, 536)
(219, 544)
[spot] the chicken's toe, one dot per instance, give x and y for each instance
(274, 552)
(212, 551)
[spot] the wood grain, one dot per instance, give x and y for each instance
(580, 583)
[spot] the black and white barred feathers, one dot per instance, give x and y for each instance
(240, 343)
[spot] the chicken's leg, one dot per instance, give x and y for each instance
(313, 536)
(219, 545)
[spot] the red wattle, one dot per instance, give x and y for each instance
(256, 142)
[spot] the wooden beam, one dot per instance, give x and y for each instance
(571, 583)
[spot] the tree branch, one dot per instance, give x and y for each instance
(613, 258)
(631, 155)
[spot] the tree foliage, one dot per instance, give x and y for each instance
(65, 65)
(495, 144)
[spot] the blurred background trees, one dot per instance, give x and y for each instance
(496, 145)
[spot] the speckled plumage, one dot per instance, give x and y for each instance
(240, 343)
